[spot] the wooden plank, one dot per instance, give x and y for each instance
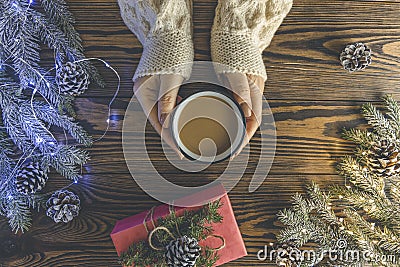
(313, 99)
(308, 137)
(302, 61)
(85, 241)
(308, 147)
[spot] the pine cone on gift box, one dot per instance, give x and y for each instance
(183, 251)
(63, 206)
(31, 178)
(287, 255)
(383, 159)
(355, 57)
(72, 79)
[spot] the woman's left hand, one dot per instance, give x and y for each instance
(248, 92)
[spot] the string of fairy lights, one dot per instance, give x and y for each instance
(31, 150)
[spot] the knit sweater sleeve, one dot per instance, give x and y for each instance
(164, 29)
(242, 30)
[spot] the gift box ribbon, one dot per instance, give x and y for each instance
(162, 228)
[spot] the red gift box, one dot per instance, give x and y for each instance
(132, 229)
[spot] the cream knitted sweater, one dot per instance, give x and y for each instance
(242, 30)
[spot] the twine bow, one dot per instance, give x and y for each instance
(162, 228)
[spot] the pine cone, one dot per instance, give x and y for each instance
(63, 206)
(30, 178)
(288, 255)
(183, 251)
(72, 79)
(355, 57)
(383, 159)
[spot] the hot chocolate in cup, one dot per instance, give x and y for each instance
(208, 127)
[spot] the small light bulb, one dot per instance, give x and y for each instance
(107, 65)
(108, 120)
(75, 182)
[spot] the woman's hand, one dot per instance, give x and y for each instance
(157, 94)
(247, 91)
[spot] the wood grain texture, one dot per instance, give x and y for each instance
(302, 61)
(311, 98)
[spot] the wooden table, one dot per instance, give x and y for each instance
(311, 97)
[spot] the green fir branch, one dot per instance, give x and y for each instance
(192, 224)
(19, 215)
(30, 101)
(382, 126)
(393, 109)
(59, 15)
(360, 176)
(66, 160)
(322, 203)
(51, 116)
(377, 207)
(369, 206)
(393, 189)
(371, 237)
(363, 138)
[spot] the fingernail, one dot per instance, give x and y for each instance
(246, 110)
(163, 117)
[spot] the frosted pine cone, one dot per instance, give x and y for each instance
(182, 252)
(30, 178)
(383, 159)
(63, 206)
(355, 57)
(72, 79)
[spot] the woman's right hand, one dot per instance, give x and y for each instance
(157, 94)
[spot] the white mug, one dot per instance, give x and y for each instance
(216, 124)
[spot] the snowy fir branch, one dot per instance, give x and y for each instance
(35, 114)
(364, 213)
